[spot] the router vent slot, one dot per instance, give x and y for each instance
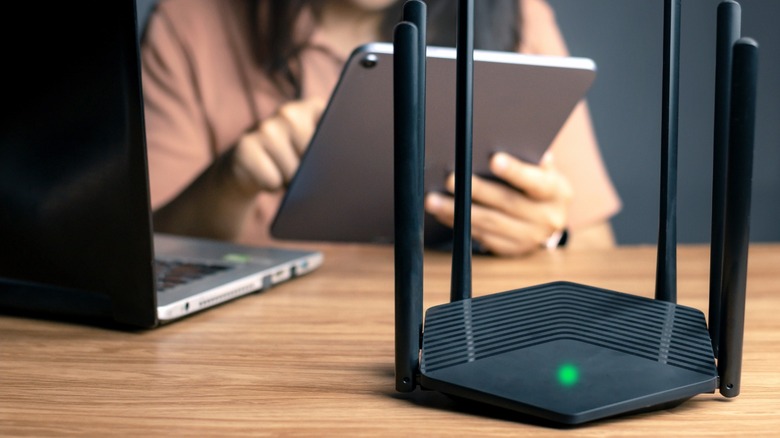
(515, 320)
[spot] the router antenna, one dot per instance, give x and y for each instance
(464, 97)
(415, 11)
(408, 209)
(728, 31)
(666, 269)
(738, 193)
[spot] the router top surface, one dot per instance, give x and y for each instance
(568, 353)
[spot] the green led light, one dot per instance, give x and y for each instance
(568, 375)
(236, 258)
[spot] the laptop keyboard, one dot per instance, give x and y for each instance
(176, 273)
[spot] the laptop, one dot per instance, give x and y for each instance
(345, 179)
(75, 219)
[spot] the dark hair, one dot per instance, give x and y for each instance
(496, 24)
(277, 47)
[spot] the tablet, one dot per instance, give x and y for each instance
(343, 189)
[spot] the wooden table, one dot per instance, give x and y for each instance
(314, 357)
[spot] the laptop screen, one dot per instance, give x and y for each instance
(74, 203)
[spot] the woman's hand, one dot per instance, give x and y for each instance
(267, 158)
(216, 204)
(514, 218)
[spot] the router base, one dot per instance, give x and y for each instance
(568, 353)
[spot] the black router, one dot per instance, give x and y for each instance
(562, 352)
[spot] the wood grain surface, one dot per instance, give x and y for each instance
(314, 357)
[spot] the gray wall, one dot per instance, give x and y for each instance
(624, 37)
(144, 8)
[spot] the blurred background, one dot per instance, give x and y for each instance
(625, 38)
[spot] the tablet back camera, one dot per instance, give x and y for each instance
(369, 61)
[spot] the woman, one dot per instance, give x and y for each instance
(234, 88)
